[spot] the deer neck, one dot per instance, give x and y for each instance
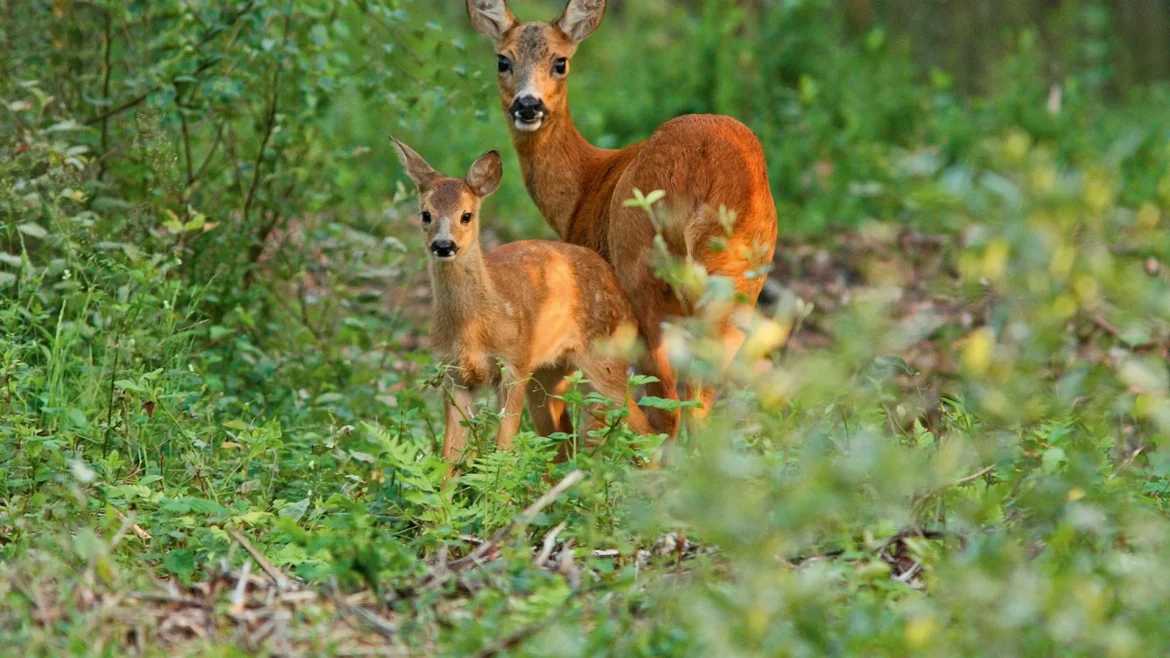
(558, 165)
(461, 291)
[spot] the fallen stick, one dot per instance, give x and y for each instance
(282, 581)
(142, 534)
(549, 541)
(524, 517)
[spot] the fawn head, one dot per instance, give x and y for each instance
(449, 207)
(534, 57)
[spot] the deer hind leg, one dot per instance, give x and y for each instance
(651, 307)
(548, 412)
(732, 339)
(607, 376)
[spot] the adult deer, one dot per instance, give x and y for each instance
(703, 163)
(508, 316)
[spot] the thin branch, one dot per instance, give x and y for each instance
(269, 125)
(282, 581)
(110, 402)
(210, 151)
(523, 519)
(383, 627)
(549, 541)
(109, 38)
(186, 146)
(142, 534)
(972, 477)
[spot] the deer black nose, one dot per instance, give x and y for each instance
(528, 108)
(444, 248)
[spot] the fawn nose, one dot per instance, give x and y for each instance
(444, 248)
(528, 109)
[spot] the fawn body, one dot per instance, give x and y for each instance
(703, 163)
(520, 317)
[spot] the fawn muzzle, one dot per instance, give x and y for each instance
(444, 248)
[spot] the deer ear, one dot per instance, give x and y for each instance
(485, 173)
(491, 18)
(581, 18)
(419, 171)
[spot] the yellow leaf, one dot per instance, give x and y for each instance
(995, 259)
(978, 350)
(920, 631)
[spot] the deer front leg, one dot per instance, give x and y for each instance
(511, 398)
(459, 402)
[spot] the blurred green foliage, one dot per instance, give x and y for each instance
(208, 321)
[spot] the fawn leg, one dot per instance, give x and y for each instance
(511, 398)
(458, 405)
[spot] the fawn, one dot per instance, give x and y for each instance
(521, 316)
(703, 163)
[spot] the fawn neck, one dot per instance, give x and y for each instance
(461, 290)
(559, 167)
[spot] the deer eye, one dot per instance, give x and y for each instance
(426, 217)
(561, 65)
(504, 64)
(466, 218)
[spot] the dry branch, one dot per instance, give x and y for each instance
(532, 510)
(282, 581)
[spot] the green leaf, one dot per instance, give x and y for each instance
(664, 403)
(180, 562)
(129, 385)
(32, 230)
(295, 511)
(188, 504)
(1053, 459)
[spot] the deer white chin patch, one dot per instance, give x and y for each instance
(528, 126)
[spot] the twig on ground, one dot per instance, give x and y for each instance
(383, 627)
(549, 541)
(241, 588)
(142, 534)
(524, 517)
(162, 597)
(282, 581)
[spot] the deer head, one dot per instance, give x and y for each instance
(534, 57)
(449, 207)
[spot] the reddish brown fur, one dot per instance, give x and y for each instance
(702, 162)
(520, 317)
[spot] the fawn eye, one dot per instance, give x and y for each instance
(561, 65)
(466, 218)
(426, 217)
(504, 64)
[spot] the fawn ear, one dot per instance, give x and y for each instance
(581, 18)
(491, 18)
(485, 173)
(419, 171)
